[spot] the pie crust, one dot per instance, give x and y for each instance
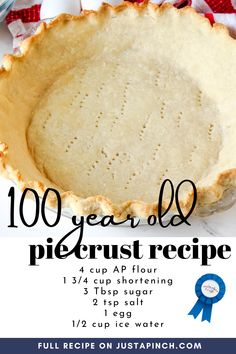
(105, 106)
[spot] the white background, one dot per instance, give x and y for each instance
(35, 303)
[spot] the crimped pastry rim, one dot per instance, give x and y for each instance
(99, 204)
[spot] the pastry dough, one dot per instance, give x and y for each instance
(107, 105)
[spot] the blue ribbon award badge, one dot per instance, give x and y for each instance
(210, 289)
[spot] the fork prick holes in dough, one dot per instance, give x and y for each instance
(131, 178)
(93, 167)
(46, 120)
(114, 122)
(104, 153)
(199, 98)
(163, 175)
(124, 98)
(162, 111)
(98, 119)
(156, 151)
(117, 158)
(71, 143)
(210, 131)
(157, 77)
(82, 102)
(134, 144)
(112, 160)
(74, 99)
(179, 118)
(100, 89)
(143, 129)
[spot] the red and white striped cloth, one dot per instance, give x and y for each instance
(23, 19)
(25, 15)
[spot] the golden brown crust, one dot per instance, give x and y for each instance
(99, 204)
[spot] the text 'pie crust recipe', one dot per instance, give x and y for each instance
(107, 105)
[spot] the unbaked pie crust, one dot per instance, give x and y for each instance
(105, 106)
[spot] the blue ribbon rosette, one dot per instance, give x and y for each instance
(210, 289)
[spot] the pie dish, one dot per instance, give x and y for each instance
(105, 106)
